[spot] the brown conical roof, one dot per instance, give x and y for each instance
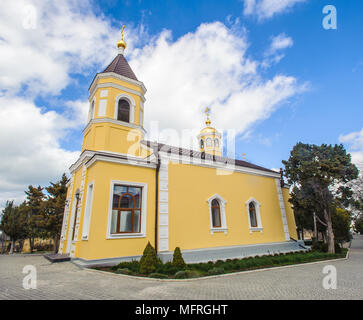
(120, 66)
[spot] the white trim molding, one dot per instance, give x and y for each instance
(283, 210)
(132, 104)
(258, 215)
(88, 210)
(142, 233)
(94, 85)
(113, 121)
(163, 211)
(222, 207)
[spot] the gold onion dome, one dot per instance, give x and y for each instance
(122, 43)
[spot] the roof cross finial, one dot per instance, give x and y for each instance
(121, 45)
(208, 122)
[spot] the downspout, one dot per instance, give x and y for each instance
(156, 152)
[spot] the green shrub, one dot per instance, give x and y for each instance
(123, 271)
(178, 260)
(320, 246)
(192, 274)
(149, 260)
(158, 275)
(181, 275)
(133, 265)
(167, 268)
(216, 271)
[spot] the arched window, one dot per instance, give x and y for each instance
(216, 143)
(253, 216)
(216, 214)
(123, 111)
(209, 142)
(201, 144)
(126, 209)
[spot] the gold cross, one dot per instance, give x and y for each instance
(122, 32)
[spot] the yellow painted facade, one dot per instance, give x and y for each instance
(114, 154)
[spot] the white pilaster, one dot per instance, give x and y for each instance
(164, 205)
(283, 210)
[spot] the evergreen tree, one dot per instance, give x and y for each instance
(53, 210)
(148, 260)
(178, 260)
(318, 169)
(13, 223)
(33, 209)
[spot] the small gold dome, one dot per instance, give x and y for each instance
(121, 43)
(208, 130)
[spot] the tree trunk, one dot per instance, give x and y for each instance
(330, 233)
(302, 233)
(56, 244)
(12, 246)
(31, 244)
(315, 228)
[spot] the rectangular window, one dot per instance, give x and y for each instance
(126, 209)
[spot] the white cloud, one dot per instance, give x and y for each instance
(355, 141)
(43, 42)
(208, 67)
(265, 9)
(274, 53)
(30, 148)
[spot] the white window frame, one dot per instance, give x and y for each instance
(88, 211)
(132, 104)
(222, 208)
(142, 233)
(257, 204)
(91, 112)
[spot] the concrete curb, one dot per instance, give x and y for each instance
(217, 276)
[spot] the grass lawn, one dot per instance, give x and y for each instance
(195, 270)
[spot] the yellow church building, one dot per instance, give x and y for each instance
(125, 191)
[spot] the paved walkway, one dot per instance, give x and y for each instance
(68, 281)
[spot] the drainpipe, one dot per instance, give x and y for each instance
(156, 152)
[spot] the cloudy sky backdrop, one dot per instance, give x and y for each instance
(267, 68)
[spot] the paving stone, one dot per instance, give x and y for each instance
(68, 281)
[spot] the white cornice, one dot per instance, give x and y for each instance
(131, 161)
(117, 76)
(217, 165)
(114, 121)
(116, 86)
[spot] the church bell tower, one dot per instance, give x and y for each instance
(116, 108)
(209, 138)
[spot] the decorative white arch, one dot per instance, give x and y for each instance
(258, 215)
(222, 205)
(132, 103)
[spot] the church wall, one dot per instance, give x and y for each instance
(289, 214)
(97, 246)
(189, 217)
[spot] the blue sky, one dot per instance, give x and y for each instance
(318, 73)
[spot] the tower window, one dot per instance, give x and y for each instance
(201, 144)
(92, 110)
(123, 113)
(209, 142)
(253, 217)
(216, 143)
